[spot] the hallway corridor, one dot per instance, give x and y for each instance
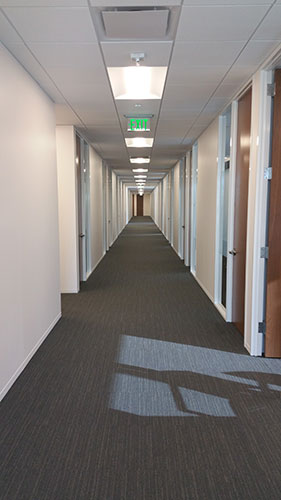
(142, 392)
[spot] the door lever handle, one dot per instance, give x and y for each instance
(232, 252)
(82, 235)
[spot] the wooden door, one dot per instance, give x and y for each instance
(273, 286)
(139, 205)
(241, 209)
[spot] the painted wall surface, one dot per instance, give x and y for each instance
(146, 204)
(206, 207)
(68, 211)
(176, 206)
(96, 208)
(29, 251)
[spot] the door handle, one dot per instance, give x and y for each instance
(82, 235)
(233, 252)
(183, 227)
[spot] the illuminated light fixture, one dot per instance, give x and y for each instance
(140, 160)
(139, 142)
(140, 170)
(137, 82)
(140, 176)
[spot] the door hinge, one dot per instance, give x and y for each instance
(268, 173)
(264, 252)
(262, 327)
(271, 89)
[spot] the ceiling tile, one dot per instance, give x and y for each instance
(197, 54)
(256, 52)
(219, 23)
(228, 2)
(119, 54)
(26, 59)
(135, 3)
(188, 92)
(43, 3)
(181, 74)
(7, 33)
(52, 24)
(69, 55)
(270, 29)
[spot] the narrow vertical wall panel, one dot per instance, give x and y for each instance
(68, 210)
(206, 208)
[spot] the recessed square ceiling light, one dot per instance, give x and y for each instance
(140, 170)
(140, 176)
(140, 160)
(139, 142)
(137, 82)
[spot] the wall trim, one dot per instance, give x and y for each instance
(95, 266)
(204, 289)
(28, 358)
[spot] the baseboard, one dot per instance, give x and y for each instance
(204, 288)
(95, 266)
(221, 310)
(28, 358)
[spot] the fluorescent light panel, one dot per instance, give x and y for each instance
(139, 160)
(137, 82)
(140, 170)
(139, 142)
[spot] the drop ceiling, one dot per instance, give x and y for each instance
(211, 48)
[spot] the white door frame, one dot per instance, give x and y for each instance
(219, 221)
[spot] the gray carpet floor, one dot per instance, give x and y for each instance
(142, 392)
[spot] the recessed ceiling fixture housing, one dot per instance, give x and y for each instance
(137, 82)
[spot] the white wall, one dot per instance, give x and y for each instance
(68, 211)
(96, 208)
(29, 251)
(206, 208)
(146, 204)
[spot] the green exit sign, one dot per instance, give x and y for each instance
(139, 124)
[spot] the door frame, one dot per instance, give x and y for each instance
(187, 209)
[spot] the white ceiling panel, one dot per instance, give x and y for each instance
(193, 54)
(270, 29)
(119, 54)
(55, 24)
(97, 96)
(65, 76)
(69, 55)
(188, 92)
(180, 74)
(228, 2)
(90, 115)
(219, 23)
(192, 104)
(256, 52)
(239, 74)
(133, 3)
(43, 3)
(7, 33)
(26, 59)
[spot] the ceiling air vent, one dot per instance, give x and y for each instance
(140, 24)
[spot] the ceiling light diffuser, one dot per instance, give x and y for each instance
(140, 170)
(139, 142)
(137, 82)
(140, 176)
(140, 160)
